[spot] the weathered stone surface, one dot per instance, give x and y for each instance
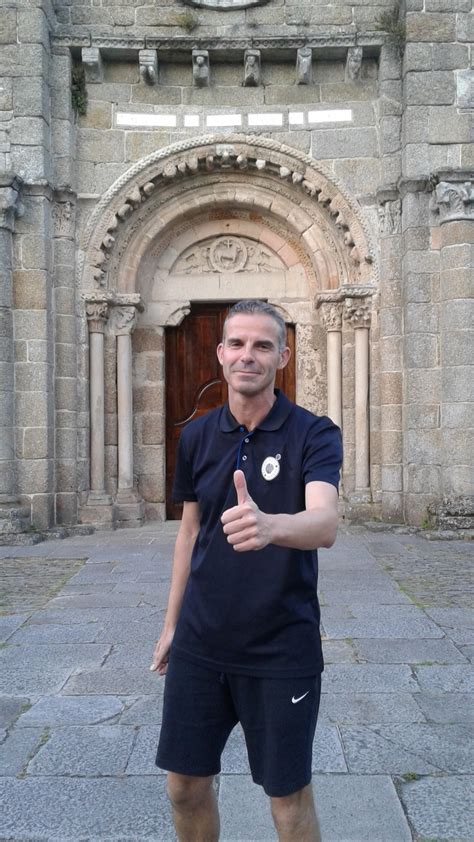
(17, 748)
(439, 807)
(11, 708)
(66, 710)
(84, 750)
(369, 708)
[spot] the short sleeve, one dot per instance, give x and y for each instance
(322, 454)
(183, 485)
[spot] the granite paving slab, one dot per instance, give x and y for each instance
(84, 751)
(55, 711)
(359, 808)
(245, 811)
(95, 600)
(450, 679)
(338, 652)
(460, 637)
(25, 679)
(369, 708)
(328, 755)
(145, 711)
(52, 633)
(134, 653)
(446, 707)
(77, 655)
(10, 623)
(368, 678)
(456, 618)
(441, 808)
(84, 589)
(420, 748)
(11, 708)
(68, 616)
(418, 651)
(146, 630)
(127, 810)
(400, 621)
(128, 682)
(27, 583)
(468, 652)
(17, 748)
(142, 758)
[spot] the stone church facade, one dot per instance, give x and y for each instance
(156, 155)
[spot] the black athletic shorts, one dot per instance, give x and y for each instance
(278, 717)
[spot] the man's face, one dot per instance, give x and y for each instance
(249, 353)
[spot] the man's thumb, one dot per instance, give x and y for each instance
(241, 487)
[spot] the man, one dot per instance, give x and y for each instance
(258, 478)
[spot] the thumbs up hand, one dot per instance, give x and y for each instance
(246, 527)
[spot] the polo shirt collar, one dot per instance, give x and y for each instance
(273, 421)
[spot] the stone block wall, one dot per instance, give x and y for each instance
(397, 135)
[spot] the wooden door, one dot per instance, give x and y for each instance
(194, 382)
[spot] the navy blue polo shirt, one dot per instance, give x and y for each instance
(257, 612)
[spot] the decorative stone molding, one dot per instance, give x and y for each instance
(354, 64)
(252, 72)
(254, 154)
(325, 41)
(10, 205)
(454, 200)
(304, 66)
(390, 217)
(201, 68)
(93, 67)
(148, 61)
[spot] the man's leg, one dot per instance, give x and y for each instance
(194, 804)
(295, 817)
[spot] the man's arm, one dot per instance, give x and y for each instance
(247, 528)
(183, 550)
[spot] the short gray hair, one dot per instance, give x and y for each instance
(250, 306)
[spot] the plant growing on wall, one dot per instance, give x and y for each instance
(187, 20)
(390, 23)
(78, 90)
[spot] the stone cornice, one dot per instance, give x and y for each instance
(128, 45)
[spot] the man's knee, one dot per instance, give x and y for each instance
(293, 811)
(187, 791)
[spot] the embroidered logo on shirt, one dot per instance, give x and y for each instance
(295, 701)
(271, 467)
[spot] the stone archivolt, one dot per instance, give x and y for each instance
(253, 157)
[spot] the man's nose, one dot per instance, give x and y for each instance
(247, 353)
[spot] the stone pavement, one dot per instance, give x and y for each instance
(393, 756)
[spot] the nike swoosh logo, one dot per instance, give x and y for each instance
(295, 701)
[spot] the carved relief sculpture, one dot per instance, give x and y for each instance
(63, 216)
(304, 66)
(201, 68)
(252, 74)
(148, 60)
(353, 64)
(227, 255)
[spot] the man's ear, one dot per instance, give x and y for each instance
(284, 357)
(220, 349)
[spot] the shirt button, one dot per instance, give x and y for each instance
(241, 429)
(246, 441)
(244, 458)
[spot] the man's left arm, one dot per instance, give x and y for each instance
(248, 528)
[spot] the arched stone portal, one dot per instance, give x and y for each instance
(216, 220)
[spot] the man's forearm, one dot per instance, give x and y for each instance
(181, 566)
(306, 530)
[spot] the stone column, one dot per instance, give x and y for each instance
(129, 506)
(357, 312)
(331, 316)
(9, 208)
(99, 503)
(454, 200)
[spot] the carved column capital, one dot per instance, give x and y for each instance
(454, 200)
(97, 313)
(124, 319)
(10, 206)
(390, 217)
(331, 314)
(357, 311)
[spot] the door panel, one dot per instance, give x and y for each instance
(194, 382)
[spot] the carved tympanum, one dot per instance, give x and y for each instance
(227, 255)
